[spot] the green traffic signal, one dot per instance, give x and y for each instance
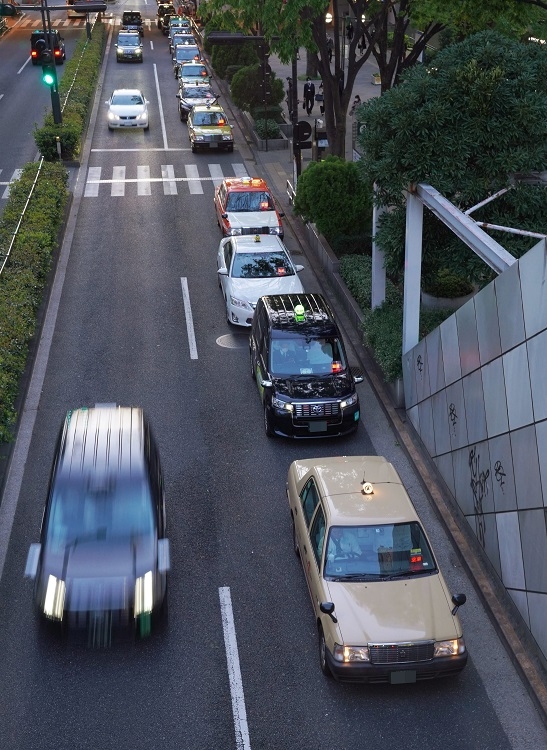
(49, 77)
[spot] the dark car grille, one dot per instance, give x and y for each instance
(318, 410)
(401, 653)
(133, 117)
(255, 230)
(210, 138)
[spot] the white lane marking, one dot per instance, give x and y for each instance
(24, 65)
(118, 181)
(240, 170)
(111, 150)
(151, 45)
(1, 97)
(143, 184)
(189, 318)
(234, 672)
(15, 176)
(194, 183)
(216, 174)
(92, 184)
(162, 120)
(168, 177)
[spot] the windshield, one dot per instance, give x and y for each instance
(389, 550)
(127, 99)
(209, 118)
(194, 71)
(132, 18)
(197, 93)
(252, 201)
(128, 41)
(261, 266)
(87, 512)
(301, 355)
(185, 52)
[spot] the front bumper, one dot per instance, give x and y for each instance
(286, 424)
(365, 672)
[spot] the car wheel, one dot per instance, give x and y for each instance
(193, 149)
(323, 654)
(230, 149)
(181, 117)
(268, 425)
(294, 541)
(147, 128)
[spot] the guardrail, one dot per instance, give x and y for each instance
(291, 192)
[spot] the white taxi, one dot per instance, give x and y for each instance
(384, 612)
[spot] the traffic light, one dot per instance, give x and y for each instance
(49, 75)
(7, 9)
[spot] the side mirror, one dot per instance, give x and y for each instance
(458, 600)
(164, 558)
(281, 213)
(298, 268)
(327, 608)
(178, 95)
(33, 557)
(223, 271)
(266, 383)
(224, 216)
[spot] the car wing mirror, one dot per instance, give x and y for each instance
(164, 557)
(281, 213)
(328, 609)
(224, 215)
(298, 268)
(458, 600)
(356, 374)
(223, 271)
(33, 556)
(266, 383)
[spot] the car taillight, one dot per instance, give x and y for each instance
(57, 53)
(34, 53)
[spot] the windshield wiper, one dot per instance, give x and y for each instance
(407, 573)
(356, 577)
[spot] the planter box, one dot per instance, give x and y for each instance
(431, 302)
(272, 144)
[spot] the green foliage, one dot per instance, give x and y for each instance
(268, 112)
(224, 55)
(267, 129)
(76, 92)
(246, 88)
(231, 70)
(331, 194)
(24, 277)
(447, 283)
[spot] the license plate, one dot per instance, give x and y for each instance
(318, 426)
(213, 144)
(402, 677)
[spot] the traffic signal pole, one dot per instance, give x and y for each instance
(49, 72)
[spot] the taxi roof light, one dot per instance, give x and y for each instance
(367, 488)
(299, 313)
(257, 238)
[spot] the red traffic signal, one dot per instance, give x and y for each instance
(7, 9)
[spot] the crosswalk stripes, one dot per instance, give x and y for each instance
(15, 176)
(168, 179)
(31, 22)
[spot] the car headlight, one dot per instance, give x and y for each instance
(138, 51)
(112, 116)
(275, 230)
(240, 303)
(350, 401)
(449, 648)
(142, 116)
(54, 601)
(227, 137)
(233, 231)
(198, 137)
(277, 403)
(144, 594)
(348, 654)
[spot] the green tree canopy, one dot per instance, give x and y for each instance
(466, 125)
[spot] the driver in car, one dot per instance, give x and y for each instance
(343, 542)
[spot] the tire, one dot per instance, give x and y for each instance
(268, 426)
(147, 128)
(230, 149)
(294, 542)
(323, 654)
(180, 115)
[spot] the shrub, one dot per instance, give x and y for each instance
(231, 70)
(224, 55)
(331, 194)
(448, 284)
(267, 129)
(246, 88)
(268, 112)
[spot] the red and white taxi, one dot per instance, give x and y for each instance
(245, 205)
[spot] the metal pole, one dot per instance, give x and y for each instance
(55, 100)
(295, 141)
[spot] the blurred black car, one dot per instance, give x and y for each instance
(194, 94)
(100, 569)
(184, 53)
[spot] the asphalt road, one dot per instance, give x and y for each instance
(140, 321)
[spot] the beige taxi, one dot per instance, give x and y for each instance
(383, 610)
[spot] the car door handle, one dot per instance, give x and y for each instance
(305, 550)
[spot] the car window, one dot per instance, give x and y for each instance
(194, 71)
(209, 118)
(309, 498)
(197, 93)
(127, 99)
(183, 52)
(261, 266)
(387, 549)
(309, 356)
(250, 201)
(228, 252)
(317, 534)
(128, 40)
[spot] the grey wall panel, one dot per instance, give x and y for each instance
(526, 467)
(457, 427)
(450, 350)
(518, 392)
(434, 361)
(495, 402)
(510, 315)
(408, 379)
(479, 473)
(488, 330)
(512, 568)
(533, 277)
(439, 410)
(414, 415)
(486, 531)
(533, 535)
(521, 600)
(467, 337)
(421, 375)
(427, 432)
(462, 483)
(541, 439)
(474, 407)
(537, 363)
(503, 478)
(446, 470)
(537, 607)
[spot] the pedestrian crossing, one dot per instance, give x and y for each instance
(31, 22)
(4, 194)
(146, 183)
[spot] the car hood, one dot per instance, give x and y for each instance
(196, 102)
(127, 110)
(100, 574)
(244, 219)
(251, 289)
(193, 79)
(415, 609)
(213, 129)
(306, 387)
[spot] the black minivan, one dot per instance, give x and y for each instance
(299, 362)
(100, 568)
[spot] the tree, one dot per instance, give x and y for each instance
(466, 125)
(246, 88)
(384, 25)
